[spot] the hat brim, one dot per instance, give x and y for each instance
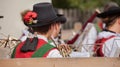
(60, 18)
(115, 11)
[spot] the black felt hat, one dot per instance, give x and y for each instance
(112, 11)
(45, 15)
(62, 18)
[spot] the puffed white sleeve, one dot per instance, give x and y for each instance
(115, 48)
(54, 54)
(111, 47)
(79, 54)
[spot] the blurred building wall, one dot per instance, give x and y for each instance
(11, 24)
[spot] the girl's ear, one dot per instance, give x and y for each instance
(118, 20)
(52, 26)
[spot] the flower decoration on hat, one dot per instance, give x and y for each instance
(30, 17)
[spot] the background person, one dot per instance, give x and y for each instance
(108, 40)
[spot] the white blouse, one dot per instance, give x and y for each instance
(111, 47)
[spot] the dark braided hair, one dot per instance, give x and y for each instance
(109, 21)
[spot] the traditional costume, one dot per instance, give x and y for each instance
(44, 49)
(38, 45)
(108, 42)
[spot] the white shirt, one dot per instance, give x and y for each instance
(111, 46)
(56, 54)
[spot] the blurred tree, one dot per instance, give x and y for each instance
(117, 1)
(86, 7)
(82, 4)
(61, 3)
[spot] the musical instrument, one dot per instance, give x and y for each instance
(90, 20)
(64, 51)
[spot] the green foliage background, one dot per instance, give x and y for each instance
(82, 4)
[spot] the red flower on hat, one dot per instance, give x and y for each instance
(29, 17)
